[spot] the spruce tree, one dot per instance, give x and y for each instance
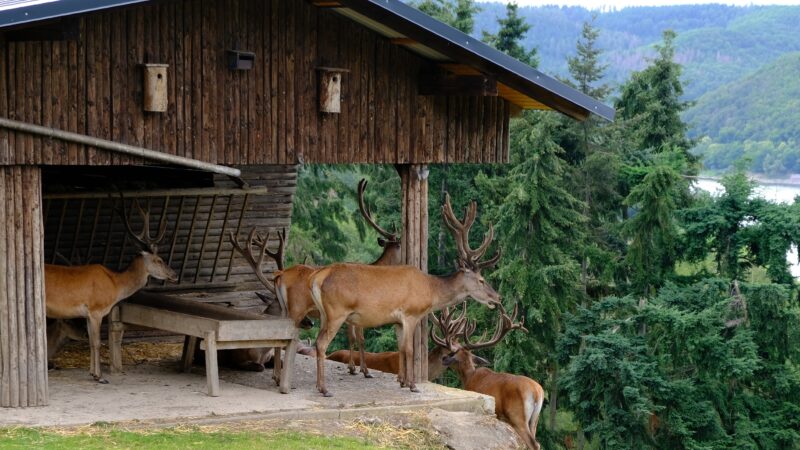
(509, 38)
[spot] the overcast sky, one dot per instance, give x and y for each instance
(595, 4)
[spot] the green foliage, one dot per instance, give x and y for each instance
(741, 231)
(711, 382)
(458, 14)
(652, 98)
(507, 39)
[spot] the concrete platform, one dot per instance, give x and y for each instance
(156, 393)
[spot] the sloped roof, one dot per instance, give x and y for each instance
(453, 50)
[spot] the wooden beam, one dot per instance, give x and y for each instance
(445, 83)
(326, 4)
(403, 41)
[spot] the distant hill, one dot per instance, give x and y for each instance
(740, 64)
(716, 43)
(757, 116)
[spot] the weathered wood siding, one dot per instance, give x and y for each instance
(196, 244)
(267, 115)
(23, 352)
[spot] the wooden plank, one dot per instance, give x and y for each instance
(19, 262)
(104, 73)
(78, 108)
(35, 95)
(506, 118)
(4, 134)
(289, 56)
(273, 49)
(5, 295)
(37, 233)
(405, 110)
(166, 320)
(243, 330)
(19, 96)
(197, 61)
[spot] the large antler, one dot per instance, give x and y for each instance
(450, 325)
(505, 323)
(256, 260)
(144, 238)
(391, 237)
(468, 257)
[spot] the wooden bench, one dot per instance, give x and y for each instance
(219, 328)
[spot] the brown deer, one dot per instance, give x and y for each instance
(391, 256)
(371, 296)
(518, 399)
(91, 291)
(59, 332)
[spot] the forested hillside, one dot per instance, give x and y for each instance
(757, 117)
(723, 49)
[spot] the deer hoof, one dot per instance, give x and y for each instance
(352, 370)
(414, 389)
(368, 375)
(101, 380)
(327, 394)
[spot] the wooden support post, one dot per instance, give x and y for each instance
(414, 179)
(23, 353)
(212, 371)
(189, 347)
(116, 330)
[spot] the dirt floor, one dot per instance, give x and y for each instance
(151, 393)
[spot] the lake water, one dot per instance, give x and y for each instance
(773, 192)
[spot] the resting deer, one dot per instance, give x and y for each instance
(518, 399)
(371, 296)
(59, 332)
(91, 291)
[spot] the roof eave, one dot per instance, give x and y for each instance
(466, 49)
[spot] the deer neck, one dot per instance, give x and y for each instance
(465, 371)
(132, 279)
(450, 290)
(389, 257)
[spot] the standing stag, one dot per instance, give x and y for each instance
(371, 296)
(291, 286)
(91, 291)
(518, 399)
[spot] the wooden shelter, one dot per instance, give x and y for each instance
(203, 110)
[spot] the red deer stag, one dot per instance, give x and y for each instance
(371, 296)
(91, 291)
(518, 399)
(391, 256)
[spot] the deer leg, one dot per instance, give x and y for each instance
(401, 367)
(276, 366)
(94, 348)
(326, 334)
(407, 353)
(360, 337)
(352, 338)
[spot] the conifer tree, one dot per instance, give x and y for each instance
(508, 39)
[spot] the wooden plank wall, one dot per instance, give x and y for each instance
(23, 353)
(268, 115)
(196, 245)
(414, 179)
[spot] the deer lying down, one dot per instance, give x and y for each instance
(59, 332)
(389, 362)
(91, 291)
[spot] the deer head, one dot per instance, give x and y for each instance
(255, 250)
(155, 266)
(388, 241)
(458, 333)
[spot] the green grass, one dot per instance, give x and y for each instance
(110, 438)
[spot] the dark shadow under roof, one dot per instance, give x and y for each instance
(420, 33)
